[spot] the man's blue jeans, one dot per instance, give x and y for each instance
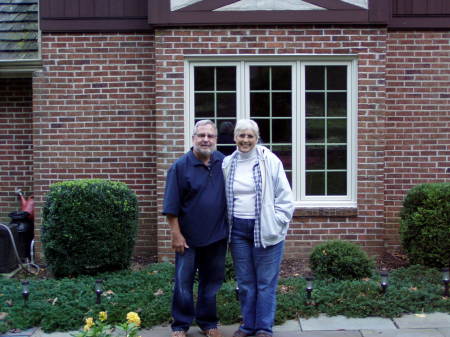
(257, 272)
(210, 262)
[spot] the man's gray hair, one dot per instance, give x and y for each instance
(202, 123)
(245, 124)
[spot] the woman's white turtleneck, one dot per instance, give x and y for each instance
(244, 185)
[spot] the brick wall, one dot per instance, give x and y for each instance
(16, 148)
(418, 116)
(102, 99)
(93, 117)
(364, 225)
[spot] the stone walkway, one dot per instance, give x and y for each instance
(418, 325)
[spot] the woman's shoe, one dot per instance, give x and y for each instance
(240, 333)
(263, 334)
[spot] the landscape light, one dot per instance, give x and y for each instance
(309, 286)
(445, 279)
(384, 281)
(99, 290)
(25, 291)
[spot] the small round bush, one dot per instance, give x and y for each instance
(88, 226)
(340, 260)
(425, 225)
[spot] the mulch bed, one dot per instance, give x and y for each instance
(289, 267)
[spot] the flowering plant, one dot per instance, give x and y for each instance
(100, 328)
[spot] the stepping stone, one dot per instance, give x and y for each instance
(324, 322)
(402, 333)
(416, 321)
(329, 334)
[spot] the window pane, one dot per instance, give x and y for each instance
(284, 152)
(281, 78)
(281, 104)
(289, 177)
(315, 77)
(225, 131)
(315, 157)
(281, 131)
(204, 105)
(337, 104)
(337, 130)
(337, 183)
(315, 183)
(337, 157)
(226, 105)
(337, 77)
(226, 149)
(264, 130)
(204, 78)
(259, 78)
(315, 104)
(315, 130)
(260, 104)
(226, 78)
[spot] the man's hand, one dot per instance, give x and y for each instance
(178, 240)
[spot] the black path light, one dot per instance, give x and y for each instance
(445, 280)
(309, 286)
(99, 290)
(25, 291)
(384, 281)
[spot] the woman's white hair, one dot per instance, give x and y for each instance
(246, 124)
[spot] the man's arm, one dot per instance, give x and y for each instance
(178, 240)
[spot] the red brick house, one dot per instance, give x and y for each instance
(353, 95)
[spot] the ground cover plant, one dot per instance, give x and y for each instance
(64, 304)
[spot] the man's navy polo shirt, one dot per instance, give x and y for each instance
(195, 193)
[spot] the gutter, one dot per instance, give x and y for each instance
(19, 68)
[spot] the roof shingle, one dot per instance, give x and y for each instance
(19, 29)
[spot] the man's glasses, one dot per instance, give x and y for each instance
(207, 135)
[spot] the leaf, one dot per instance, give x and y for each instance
(421, 315)
(159, 292)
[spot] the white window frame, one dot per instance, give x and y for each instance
(298, 63)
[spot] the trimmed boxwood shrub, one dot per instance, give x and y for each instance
(88, 226)
(341, 260)
(425, 224)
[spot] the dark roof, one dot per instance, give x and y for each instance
(19, 30)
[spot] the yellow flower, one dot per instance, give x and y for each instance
(89, 323)
(133, 317)
(102, 316)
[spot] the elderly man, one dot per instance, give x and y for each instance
(195, 206)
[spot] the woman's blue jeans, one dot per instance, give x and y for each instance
(257, 272)
(210, 262)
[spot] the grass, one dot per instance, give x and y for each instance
(62, 305)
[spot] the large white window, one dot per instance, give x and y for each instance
(305, 109)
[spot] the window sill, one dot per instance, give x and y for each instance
(325, 212)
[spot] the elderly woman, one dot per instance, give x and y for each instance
(260, 206)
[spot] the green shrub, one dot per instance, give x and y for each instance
(340, 260)
(425, 224)
(88, 226)
(230, 275)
